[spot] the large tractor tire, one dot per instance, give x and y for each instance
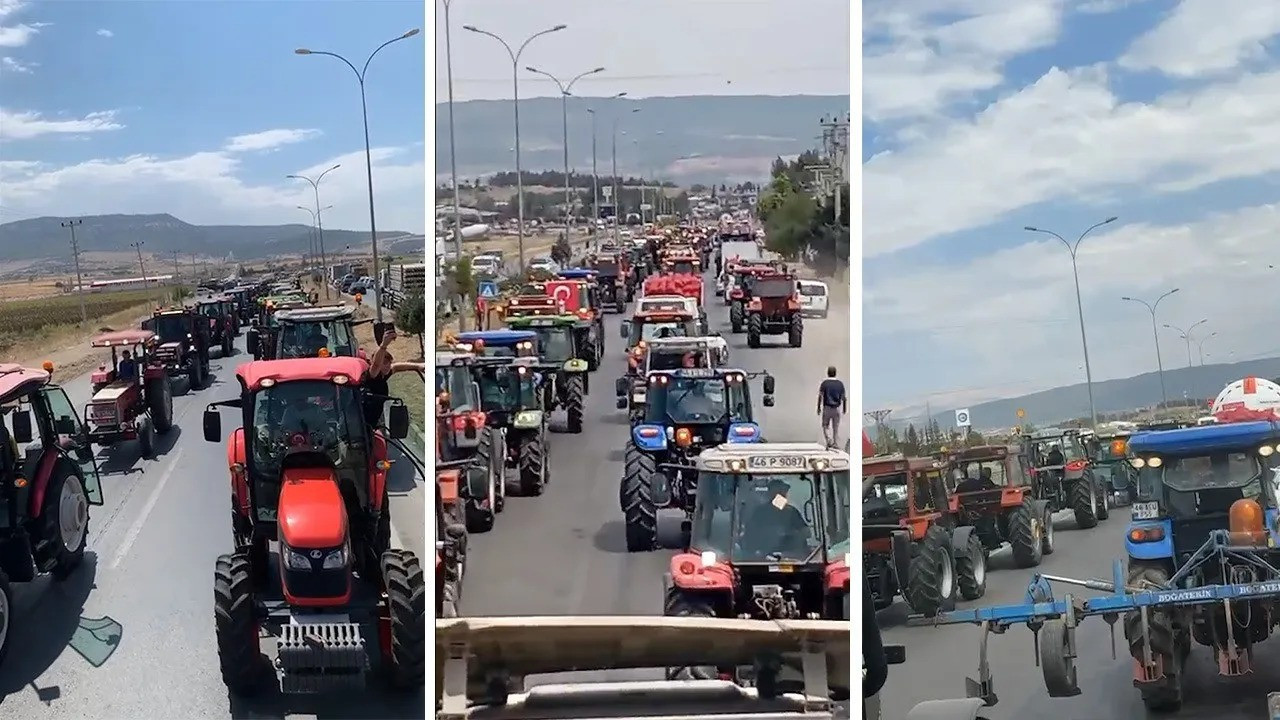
(574, 402)
(146, 438)
(971, 569)
(638, 509)
(735, 317)
(1026, 534)
(492, 454)
(228, 345)
(795, 331)
(236, 626)
(160, 403)
(1169, 645)
(481, 504)
(532, 466)
(678, 603)
(755, 327)
(931, 585)
(1084, 504)
(64, 518)
(1103, 493)
(406, 587)
(6, 614)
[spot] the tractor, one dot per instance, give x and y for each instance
(661, 353)
(322, 331)
(1110, 455)
(774, 309)
(646, 325)
(615, 291)
(133, 407)
(183, 344)
(588, 338)
(48, 480)
(462, 433)
(686, 411)
(451, 539)
(222, 323)
(578, 290)
(913, 545)
(512, 405)
(1070, 484)
(308, 473)
(498, 343)
(560, 341)
(990, 490)
(741, 279)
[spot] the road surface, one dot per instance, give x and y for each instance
(149, 567)
(939, 658)
(563, 553)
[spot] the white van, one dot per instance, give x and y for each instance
(813, 298)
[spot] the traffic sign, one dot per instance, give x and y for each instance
(488, 289)
(962, 418)
(1021, 413)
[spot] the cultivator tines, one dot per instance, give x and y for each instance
(322, 657)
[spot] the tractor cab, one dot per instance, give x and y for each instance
(182, 343)
(306, 332)
(508, 387)
(560, 339)
(498, 343)
(610, 277)
(463, 433)
(222, 322)
(645, 326)
(1110, 456)
(133, 400)
(669, 353)
(769, 535)
(702, 408)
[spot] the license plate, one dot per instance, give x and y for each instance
(778, 462)
(1145, 511)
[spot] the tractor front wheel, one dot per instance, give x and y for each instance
(931, 582)
(235, 625)
(574, 402)
(532, 464)
(160, 403)
(755, 327)
(1026, 535)
(795, 332)
(146, 438)
(678, 603)
(407, 607)
(65, 519)
(638, 509)
(1084, 503)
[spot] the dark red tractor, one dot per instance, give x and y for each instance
(134, 405)
(774, 309)
(309, 473)
(217, 310)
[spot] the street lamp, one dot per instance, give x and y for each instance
(1151, 307)
(1186, 335)
(564, 112)
(314, 245)
(1200, 345)
(368, 157)
(315, 187)
(1075, 271)
(617, 197)
(453, 155)
(515, 102)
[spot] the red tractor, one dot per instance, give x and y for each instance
(134, 405)
(309, 472)
(218, 311)
(451, 537)
(183, 346)
(741, 278)
(774, 309)
(48, 480)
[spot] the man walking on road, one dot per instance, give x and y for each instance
(833, 402)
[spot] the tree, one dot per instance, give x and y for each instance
(460, 285)
(411, 317)
(561, 252)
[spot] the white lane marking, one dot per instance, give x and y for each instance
(132, 536)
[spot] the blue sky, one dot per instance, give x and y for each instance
(200, 109)
(984, 116)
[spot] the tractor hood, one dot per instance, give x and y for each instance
(169, 347)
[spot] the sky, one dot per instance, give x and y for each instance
(982, 117)
(200, 110)
(650, 49)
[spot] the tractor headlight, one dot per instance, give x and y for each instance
(336, 559)
(1266, 451)
(295, 560)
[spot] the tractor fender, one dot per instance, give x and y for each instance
(688, 573)
(378, 471)
(239, 480)
(900, 556)
(960, 540)
(44, 474)
(956, 709)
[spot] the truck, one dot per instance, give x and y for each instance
(402, 281)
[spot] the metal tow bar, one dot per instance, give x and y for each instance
(1053, 622)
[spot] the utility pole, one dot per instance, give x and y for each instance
(177, 273)
(143, 267)
(877, 417)
(75, 255)
(195, 270)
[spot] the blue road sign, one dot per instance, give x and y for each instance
(488, 289)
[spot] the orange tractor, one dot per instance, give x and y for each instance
(774, 309)
(991, 490)
(309, 474)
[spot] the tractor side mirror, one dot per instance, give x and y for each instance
(621, 386)
(22, 433)
(398, 421)
(769, 385)
(624, 329)
(620, 403)
(212, 423)
(768, 401)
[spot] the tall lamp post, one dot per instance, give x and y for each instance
(368, 158)
(1075, 271)
(617, 198)
(515, 102)
(1200, 345)
(315, 245)
(453, 155)
(1151, 307)
(315, 187)
(564, 113)
(1186, 335)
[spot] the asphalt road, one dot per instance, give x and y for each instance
(939, 658)
(563, 553)
(149, 568)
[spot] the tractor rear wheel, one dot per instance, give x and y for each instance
(1083, 502)
(532, 464)
(235, 625)
(1168, 649)
(638, 509)
(931, 582)
(574, 393)
(407, 605)
(146, 438)
(493, 456)
(159, 392)
(971, 569)
(755, 326)
(735, 316)
(1026, 534)
(228, 345)
(679, 603)
(795, 331)
(591, 350)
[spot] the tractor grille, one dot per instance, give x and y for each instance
(102, 413)
(316, 582)
(322, 657)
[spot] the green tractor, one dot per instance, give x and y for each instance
(509, 397)
(562, 341)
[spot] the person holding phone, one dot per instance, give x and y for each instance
(381, 367)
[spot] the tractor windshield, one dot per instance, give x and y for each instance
(885, 492)
(303, 340)
(456, 380)
(766, 518)
(307, 416)
(503, 388)
(688, 401)
(555, 344)
(649, 330)
(773, 288)
(1235, 470)
(212, 310)
(682, 266)
(171, 328)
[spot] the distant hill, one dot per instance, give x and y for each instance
(1110, 396)
(43, 237)
(720, 138)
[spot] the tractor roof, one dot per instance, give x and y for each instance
(122, 337)
(978, 453)
(252, 374)
(1207, 438)
(445, 358)
(772, 458)
(577, 274)
(16, 380)
(497, 338)
(323, 313)
(542, 320)
(894, 463)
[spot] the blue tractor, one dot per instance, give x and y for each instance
(499, 343)
(1202, 566)
(686, 411)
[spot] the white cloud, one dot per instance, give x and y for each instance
(1205, 37)
(12, 65)
(16, 125)
(208, 188)
(20, 34)
(103, 32)
(269, 139)
(1067, 136)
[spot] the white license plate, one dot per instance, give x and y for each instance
(1145, 511)
(776, 462)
